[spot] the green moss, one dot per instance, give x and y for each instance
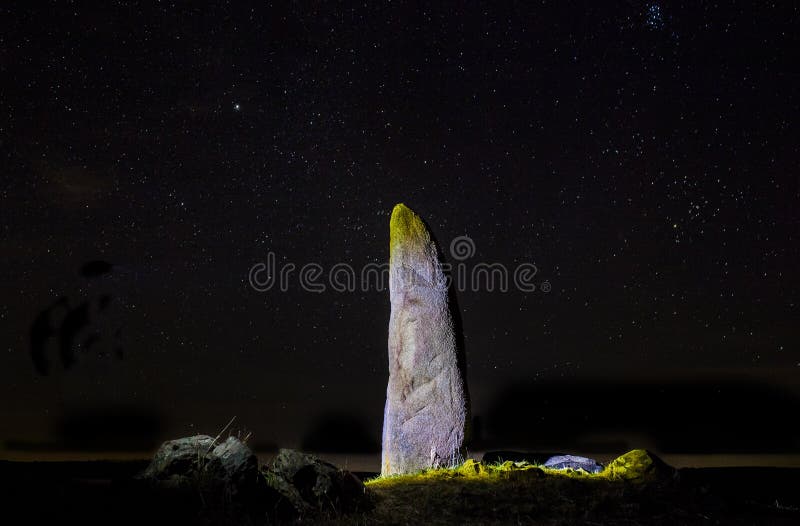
(636, 465)
(476, 493)
(633, 465)
(406, 228)
(469, 470)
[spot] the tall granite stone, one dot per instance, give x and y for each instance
(426, 407)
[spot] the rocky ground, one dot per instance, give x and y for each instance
(200, 480)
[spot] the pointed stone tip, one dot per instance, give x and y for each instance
(400, 210)
(406, 227)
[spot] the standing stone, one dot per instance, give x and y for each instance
(426, 407)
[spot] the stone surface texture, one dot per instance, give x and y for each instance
(426, 406)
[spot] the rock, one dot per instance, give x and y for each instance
(312, 485)
(426, 407)
(220, 479)
(639, 465)
(195, 479)
(198, 457)
(290, 503)
(573, 462)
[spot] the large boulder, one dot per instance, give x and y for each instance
(200, 458)
(639, 465)
(426, 406)
(311, 485)
(215, 480)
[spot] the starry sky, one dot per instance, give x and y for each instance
(642, 155)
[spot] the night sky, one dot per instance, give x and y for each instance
(643, 155)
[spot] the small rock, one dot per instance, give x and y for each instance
(573, 462)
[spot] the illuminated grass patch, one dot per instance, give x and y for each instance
(636, 465)
(512, 493)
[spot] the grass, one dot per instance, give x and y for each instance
(636, 489)
(636, 465)
(507, 493)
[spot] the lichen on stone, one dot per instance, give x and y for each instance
(406, 227)
(638, 464)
